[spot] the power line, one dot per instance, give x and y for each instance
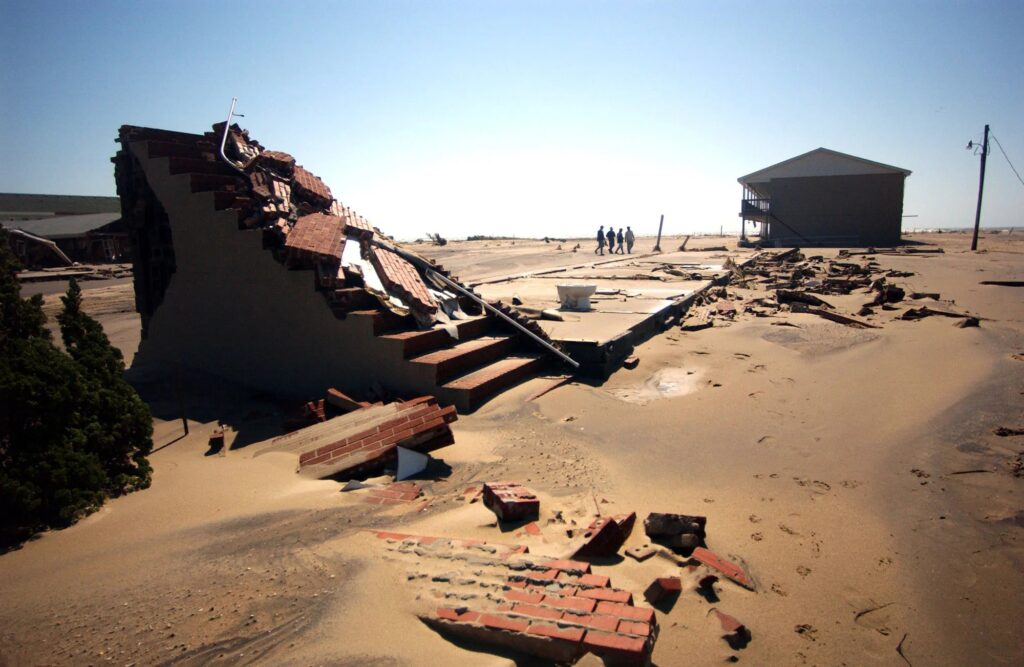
(1007, 158)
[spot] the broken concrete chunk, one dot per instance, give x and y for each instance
(658, 524)
(511, 501)
(642, 552)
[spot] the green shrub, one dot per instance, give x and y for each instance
(72, 431)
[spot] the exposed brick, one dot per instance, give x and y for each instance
(537, 611)
(634, 628)
(571, 566)
(595, 621)
(308, 187)
(511, 501)
(574, 603)
(521, 596)
(616, 643)
(320, 235)
(400, 278)
(503, 622)
(594, 580)
(607, 594)
(556, 632)
(716, 562)
(625, 611)
(450, 614)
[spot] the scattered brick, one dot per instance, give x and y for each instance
(730, 570)
(511, 501)
(663, 588)
(605, 536)
(736, 634)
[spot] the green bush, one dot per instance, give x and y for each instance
(72, 431)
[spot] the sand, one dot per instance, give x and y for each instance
(853, 472)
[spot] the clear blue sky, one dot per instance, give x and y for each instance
(529, 117)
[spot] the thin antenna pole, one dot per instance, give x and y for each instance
(981, 190)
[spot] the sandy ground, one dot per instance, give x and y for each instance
(854, 472)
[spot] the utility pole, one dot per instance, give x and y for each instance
(981, 189)
(657, 245)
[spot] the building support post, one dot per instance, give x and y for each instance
(981, 189)
(657, 245)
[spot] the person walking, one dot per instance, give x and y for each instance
(600, 241)
(611, 239)
(620, 239)
(630, 238)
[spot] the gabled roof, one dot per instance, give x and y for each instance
(821, 162)
(63, 226)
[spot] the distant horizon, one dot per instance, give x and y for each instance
(471, 118)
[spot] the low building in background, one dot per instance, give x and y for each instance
(824, 198)
(57, 230)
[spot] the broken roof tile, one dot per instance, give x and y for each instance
(318, 234)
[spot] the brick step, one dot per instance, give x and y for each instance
(472, 390)
(415, 343)
(190, 165)
(208, 182)
(458, 359)
(384, 321)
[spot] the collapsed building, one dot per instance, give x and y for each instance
(247, 267)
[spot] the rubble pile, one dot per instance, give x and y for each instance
(367, 440)
(794, 282)
(552, 605)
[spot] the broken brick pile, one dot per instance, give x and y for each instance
(499, 595)
(365, 441)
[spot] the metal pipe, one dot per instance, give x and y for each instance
(431, 273)
(224, 138)
(548, 346)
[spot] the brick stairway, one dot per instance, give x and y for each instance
(487, 358)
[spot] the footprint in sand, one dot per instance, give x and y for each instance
(757, 537)
(754, 518)
(786, 529)
(850, 483)
(803, 570)
(779, 590)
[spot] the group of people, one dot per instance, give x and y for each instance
(610, 236)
